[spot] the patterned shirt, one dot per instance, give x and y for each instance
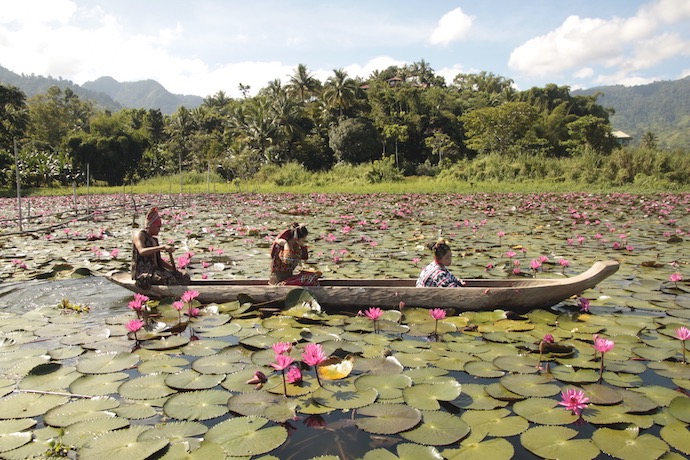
(436, 275)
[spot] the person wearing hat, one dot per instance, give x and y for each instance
(148, 267)
(288, 250)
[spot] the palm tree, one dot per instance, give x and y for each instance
(650, 140)
(340, 91)
(302, 83)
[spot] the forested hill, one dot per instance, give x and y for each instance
(106, 92)
(662, 108)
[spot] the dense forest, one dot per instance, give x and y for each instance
(403, 121)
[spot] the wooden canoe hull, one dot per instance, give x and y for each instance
(478, 295)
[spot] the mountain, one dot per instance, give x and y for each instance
(107, 92)
(146, 94)
(36, 84)
(662, 108)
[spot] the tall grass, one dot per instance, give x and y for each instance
(631, 170)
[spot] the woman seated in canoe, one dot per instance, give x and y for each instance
(148, 267)
(287, 251)
(436, 274)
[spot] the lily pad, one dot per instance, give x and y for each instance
(190, 379)
(388, 418)
(80, 410)
(497, 423)
(677, 435)
(544, 411)
(496, 449)
(680, 408)
(120, 444)
(23, 405)
(556, 442)
(387, 386)
(404, 451)
(342, 394)
(425, 396)
(197, 405)
(98, 384)
(627, 444)
(438, 429)
(246, 436)
(80, 433)
(146, 387)
(104, 363)
(530, 385)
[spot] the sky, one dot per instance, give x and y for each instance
(201, 47)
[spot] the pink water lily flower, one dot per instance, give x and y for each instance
(313, 354)
(280, 348)
(293, 375)
(683, 334)
(603, 346)
(188, 296)
(373, 313)
(282, 363)
(675, 277)
(437, 313)
(133, 325)
(574, 400)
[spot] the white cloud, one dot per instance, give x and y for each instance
(453, 26)
(584, 72)
(449, 73)
(628, 44)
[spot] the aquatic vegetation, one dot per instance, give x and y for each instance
(494, 384)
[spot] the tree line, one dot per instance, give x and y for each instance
(408, 116)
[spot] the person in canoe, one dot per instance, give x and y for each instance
(436, 274)
(148, 267)
(287, 251)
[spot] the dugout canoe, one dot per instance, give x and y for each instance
(514, 294)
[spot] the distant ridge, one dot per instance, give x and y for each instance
(662, 108)
(107, 92)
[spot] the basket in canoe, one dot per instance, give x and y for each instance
(513, 294)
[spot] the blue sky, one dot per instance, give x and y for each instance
(205, 46)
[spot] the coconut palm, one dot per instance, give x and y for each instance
(340, 91)
(303, 84)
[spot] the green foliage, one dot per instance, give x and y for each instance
(354, 141)
(383, 171)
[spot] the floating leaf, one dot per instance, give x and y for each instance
(438, 429)
(164, 365)
(219, 363)
(343, 394)
(245, 436)
(555, 442)
(602, 394)
(425, 396)
(190, 379)
(150, 386)
(387, 418)
(197, 405)
(387, 386)
(165, 343)
(405, 451)
(24, 405)
(627, 445)
(497, 423)
(104, 363)
(98, 384)
(174, 431)
(10, 441)
(677, 435)
(137, 410)
(335, 368)
(544, 411)
(483, 369)
(80, 433)
(80, 410)
(474, 396)
(120, 444)
(495, 449)
(680, 408)
(530, 385)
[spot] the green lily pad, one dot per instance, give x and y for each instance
(342, 394)
(174, 431)
(137, 410)
(680, 408)
(627, 444)
(609, 415)
(164, 365)
(120, 444)
(602, 394)
(530, 385)
(404, 451)
(80, 433)
(555, 442)
(483, 369)
(10, 441)
(496, 449)
(149, 386)
(245, 436)
(104, 363)
(80, 410)
(387, 386)
(197, 405)
(524, 364)
(254, 403)
(98, 384)
(438, 429)
(190, 379)
(497, 423)
(677, 435)
(474, 396)
(387, 418)
(61, 379)
(219, 363)
(544, 411)
(165, 343)
(23, 405)
(425, 396)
